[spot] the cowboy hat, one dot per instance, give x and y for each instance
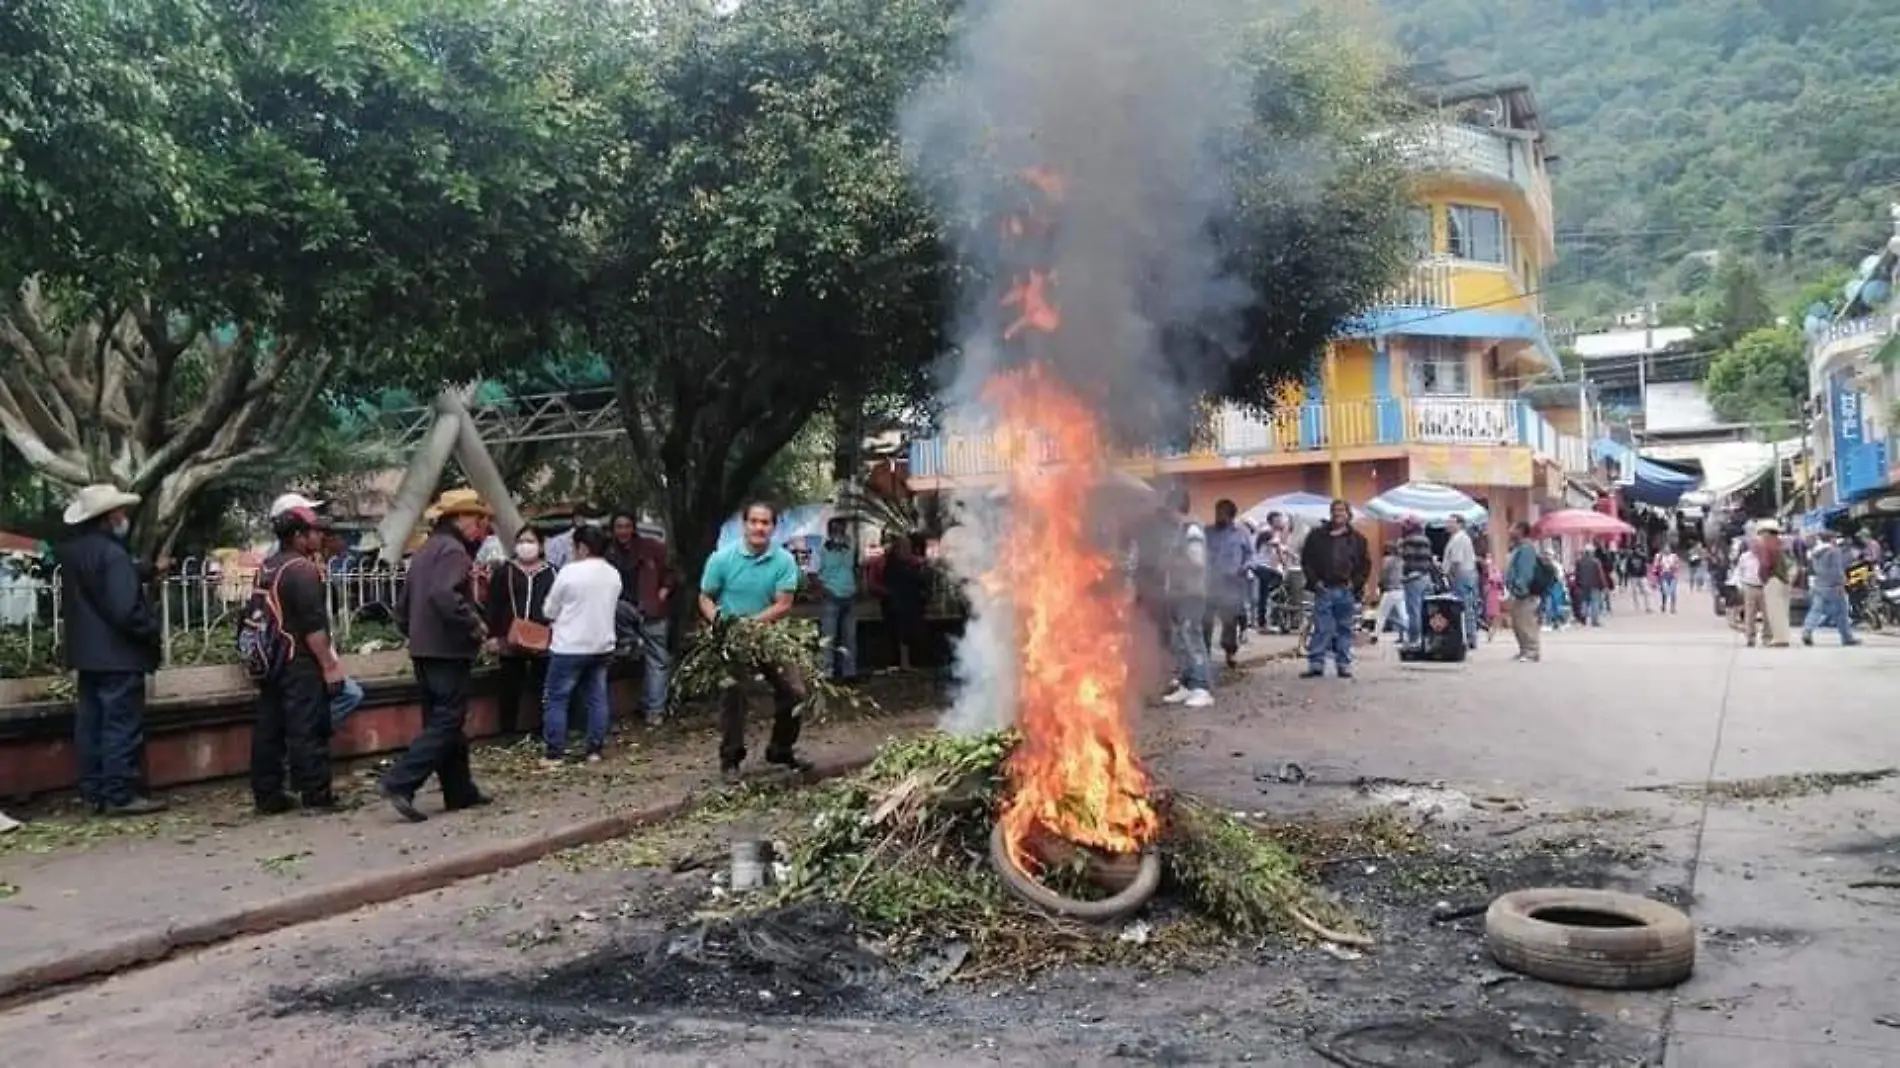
(292, 500)
(460, 502)
(1767, 526)
(96, 500)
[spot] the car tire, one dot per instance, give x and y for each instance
(1591, 938)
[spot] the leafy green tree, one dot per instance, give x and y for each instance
(212, 213)
(1734, 305)
(1763, 377)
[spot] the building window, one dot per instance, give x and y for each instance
(1476, 233)
(1437, 367)
(1418, 228)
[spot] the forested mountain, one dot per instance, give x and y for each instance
(1766, 127)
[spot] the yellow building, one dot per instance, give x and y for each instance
(1425, 386)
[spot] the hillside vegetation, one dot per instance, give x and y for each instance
(1769, 128)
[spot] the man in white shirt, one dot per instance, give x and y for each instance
(1747, 575)
(1461, 563)
(581, 606)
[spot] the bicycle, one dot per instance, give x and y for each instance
(1284, 617)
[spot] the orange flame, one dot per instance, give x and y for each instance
(1075, 774)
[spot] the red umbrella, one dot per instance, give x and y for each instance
(1579, 521)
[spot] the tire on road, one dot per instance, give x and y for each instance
(1120, 906)
(1594, 938)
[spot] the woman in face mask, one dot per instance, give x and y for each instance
(518, 626)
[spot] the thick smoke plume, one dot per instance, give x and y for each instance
(1127, 103)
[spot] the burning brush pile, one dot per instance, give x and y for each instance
(913, 850)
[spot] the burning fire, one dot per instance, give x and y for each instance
(1075, 774)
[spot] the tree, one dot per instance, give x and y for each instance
(1762, 378)
(1734, 304)
(211, 213)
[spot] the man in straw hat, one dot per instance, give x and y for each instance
(437, 612)
(112, 643)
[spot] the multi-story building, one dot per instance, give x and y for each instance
(1853, 382)
(1423, 387)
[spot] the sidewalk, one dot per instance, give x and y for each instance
(84, 897)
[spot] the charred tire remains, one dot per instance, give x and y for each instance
(1130, 897)
(1594, 938)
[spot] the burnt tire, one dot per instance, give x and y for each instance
(1593, 938)
(1123, 904)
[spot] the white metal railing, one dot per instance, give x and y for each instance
(1462, 420)
(1427, 285)
(198, 603)
(1450, 146)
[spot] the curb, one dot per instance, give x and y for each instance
(377, 889)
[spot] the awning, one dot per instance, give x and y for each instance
(1646, 481)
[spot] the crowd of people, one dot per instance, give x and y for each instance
(553, 614)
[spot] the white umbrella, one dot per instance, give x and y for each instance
(1427, 502)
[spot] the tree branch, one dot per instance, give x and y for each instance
(230, 389)
(41, 455)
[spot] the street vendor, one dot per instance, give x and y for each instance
(755, 581)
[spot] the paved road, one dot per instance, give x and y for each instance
(1798, 970)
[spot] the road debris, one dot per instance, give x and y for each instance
(1772, 787)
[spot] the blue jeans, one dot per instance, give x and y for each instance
(1825, 606)
(1466, 587)
(109, 735)
(568, 674)
(1335, 617)
(346, 701)
(1595, 603)
(1667, 585)
(655, 667)
(838, 622)
(1415, 609)
(1190, 645)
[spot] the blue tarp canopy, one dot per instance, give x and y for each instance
(1651, 481)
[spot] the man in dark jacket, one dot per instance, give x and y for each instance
(437, 613)
(112, 643)
(1337, 563)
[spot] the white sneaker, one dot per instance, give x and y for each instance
(1177, 695)
(1197, 699)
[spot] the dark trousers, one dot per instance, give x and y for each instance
(1266, 581)
(518, 677)
(788, 692)
(1225, 613)
(442, 747)
(109, 734)
(293, 720)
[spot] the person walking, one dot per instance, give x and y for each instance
(1668, 570)
(1636, 575)
(294, 704)
(1777, 569)
(1186, 580)
(1592, 588)
(518, 628)
(1461, 565)
(646, 583)
(437, 613)
(1227, 555)
(1527, 579)
(1269, 574)
(838, 584)
(581, 608)
(1415, 549)
(1827, 590)
(111, 643)
(1391, 594)
(755, 582)
(1747, 576)
(1337, 563)
(1494, 600)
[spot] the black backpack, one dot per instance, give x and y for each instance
(1543, 578)
(264, 648)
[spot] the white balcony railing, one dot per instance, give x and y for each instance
(1427, 285)
(1462, 420)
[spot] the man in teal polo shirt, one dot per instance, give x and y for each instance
(838, 574)
(755, 580)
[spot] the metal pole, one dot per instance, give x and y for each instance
(1330, 412)
(482, 473)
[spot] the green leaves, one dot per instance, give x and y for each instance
(1763, 377)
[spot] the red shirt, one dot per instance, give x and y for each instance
(643, 574)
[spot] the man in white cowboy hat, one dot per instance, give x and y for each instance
(112, 643)
(289, 501)
(437, 612)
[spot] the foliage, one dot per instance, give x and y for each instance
(1688, 125)
(210, 212)
(1763, 377)
(1734, 304)
(903, 845)
(215, 645)
(734, 652)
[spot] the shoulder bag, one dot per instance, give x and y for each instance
(524, 634)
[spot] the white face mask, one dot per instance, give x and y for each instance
(121, 527)
(527, 551)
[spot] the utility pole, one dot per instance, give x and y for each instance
(1331, 413)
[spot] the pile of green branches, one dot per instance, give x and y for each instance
(738, 652)
(904, 846)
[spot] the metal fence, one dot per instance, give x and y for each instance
(199, 603)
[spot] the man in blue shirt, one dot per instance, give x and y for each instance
(1526, 580)
(838, 575)
(755, 581)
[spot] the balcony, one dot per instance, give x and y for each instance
(1441, 282)
(1234, 437)
(1488, 155)
(1850, 338)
